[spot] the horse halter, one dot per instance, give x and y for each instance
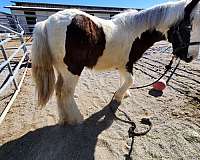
(179, 34)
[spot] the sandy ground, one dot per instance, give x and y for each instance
(32, 134)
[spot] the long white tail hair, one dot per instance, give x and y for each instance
(42, 64)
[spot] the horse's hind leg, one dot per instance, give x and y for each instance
(67, 108)
(127, 82)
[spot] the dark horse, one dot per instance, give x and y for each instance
(71, 39)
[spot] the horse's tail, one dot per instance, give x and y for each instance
(42, 64)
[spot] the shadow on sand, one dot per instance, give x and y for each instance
(155, 93)
(56, 142)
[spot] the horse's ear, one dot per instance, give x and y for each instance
(190, 7)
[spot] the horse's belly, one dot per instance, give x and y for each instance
(114, 60)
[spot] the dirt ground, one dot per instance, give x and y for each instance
(29, 133)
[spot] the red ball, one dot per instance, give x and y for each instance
(160, 85)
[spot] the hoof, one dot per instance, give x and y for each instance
(72, 121)
(127, 94)
(119, 97)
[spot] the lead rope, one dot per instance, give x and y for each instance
(173, 71)
(131, 132)
(167, 68)
(146, 121)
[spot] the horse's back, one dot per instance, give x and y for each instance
(82, 39)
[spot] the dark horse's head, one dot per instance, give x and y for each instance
(185, 35)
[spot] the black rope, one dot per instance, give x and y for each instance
(186, 46)
(146, 121)
(173, 72)
(167, 68)
(194, 43)
(131, 132)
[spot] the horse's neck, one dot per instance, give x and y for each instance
(147, 27)
(159, 18)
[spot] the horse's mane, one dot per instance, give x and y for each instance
(160, 16)
(124, 13)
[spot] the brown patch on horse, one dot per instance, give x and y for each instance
(140, 45)
(85, 43)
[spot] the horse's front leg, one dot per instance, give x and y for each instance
(126, 80)
(67, 108)
(122, 79)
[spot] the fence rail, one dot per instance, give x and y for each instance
(12, 72)
(28, 19)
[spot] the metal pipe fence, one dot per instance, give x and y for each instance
(28, 19)
(26, 22)
(9, 72)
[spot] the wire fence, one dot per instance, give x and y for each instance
(13, 55)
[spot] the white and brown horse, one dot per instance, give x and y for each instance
(71, 39)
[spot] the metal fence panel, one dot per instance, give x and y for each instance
(6, 63)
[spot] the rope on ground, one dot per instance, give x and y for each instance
(131, 132)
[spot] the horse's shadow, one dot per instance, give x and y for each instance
(76, 142)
